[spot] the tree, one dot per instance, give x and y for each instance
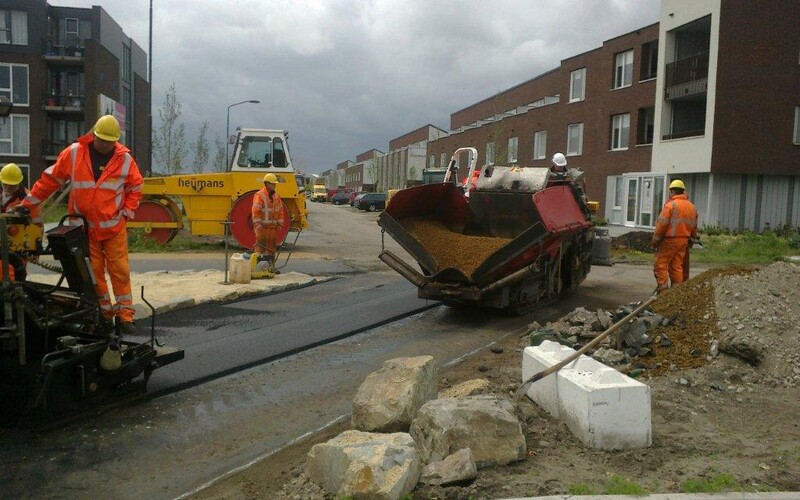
(219, 155)
(201, 153)
(169, 142)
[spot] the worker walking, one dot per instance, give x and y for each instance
(105, 188)
(267, 215)
(676, 224)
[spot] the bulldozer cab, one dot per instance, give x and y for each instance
(261, 150)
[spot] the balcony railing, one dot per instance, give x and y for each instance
(682, 75)
(61, 102)
(52, 147)
(684, 134)
(62, 47)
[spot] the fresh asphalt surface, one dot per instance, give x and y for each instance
(219, 339)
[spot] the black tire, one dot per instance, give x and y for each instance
(371, 207)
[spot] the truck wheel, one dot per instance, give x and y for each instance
(242, 218)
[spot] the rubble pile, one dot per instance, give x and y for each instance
(634, 240)
(452, 249)
(750, 314)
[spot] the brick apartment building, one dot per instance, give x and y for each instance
(710, 94)
(62, 68)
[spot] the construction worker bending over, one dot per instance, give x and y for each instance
(267, 215)
(676, 224)
(105, 188)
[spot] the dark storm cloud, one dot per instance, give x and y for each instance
(346, 76)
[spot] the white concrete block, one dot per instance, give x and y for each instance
(535, 359)
(604, 408)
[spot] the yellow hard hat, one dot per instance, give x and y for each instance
(271, 178)
(11, 174)
(677, 184)
(107, 128)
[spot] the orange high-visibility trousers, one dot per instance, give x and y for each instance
(668, 265)
(266, 240)
(112, 255)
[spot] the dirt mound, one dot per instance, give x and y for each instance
(634, 240)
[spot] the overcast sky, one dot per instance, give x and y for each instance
(346, 76)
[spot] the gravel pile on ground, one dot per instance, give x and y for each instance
(634, 240)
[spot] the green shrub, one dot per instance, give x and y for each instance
(718, 483)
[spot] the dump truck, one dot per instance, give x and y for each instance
(212, 201)
(515, 238)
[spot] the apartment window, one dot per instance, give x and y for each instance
(649, 68)
(623, 69)
(443, 160)
(13, 27)
(513, 146)
(14, 135)
(490, 153)
(575, 139)
(126, 63)
(577, 85)
(620, 131)
(646, 125)
(540, 145)
(797, 125)
(14, 83)
(432, 161)
(71, 29)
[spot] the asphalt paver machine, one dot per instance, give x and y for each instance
(58, 355)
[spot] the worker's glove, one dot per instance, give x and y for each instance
(21, 210)
(128, 213)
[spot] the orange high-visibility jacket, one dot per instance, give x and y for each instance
(267, 210)
(16, 199)
(119, 187)
(678, 219)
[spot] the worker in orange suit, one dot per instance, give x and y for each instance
(12, 195)
(676, 224)
(267, 215)
(105, 188)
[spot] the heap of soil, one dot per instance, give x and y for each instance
(634, 240)
(451, 249)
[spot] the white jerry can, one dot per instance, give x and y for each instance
(239, 269)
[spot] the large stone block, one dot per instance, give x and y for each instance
(366, 465)
(487, 425)
(389, 398)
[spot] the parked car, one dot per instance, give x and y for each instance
(371, 202)
(340, 198)
(357, 197)
(354, 195)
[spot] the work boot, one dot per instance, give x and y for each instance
(126, 328)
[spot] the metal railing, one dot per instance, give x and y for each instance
(63, 100)
(683, 134)
(62, 47)
(53, 148)
(687, 70)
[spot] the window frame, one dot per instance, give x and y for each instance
(540, 145)
(572, 78)
(10, 120)
(14, 27)
(796, 136)
(623, 78)
(570, 151)
(10, 89)
(513, 149)
(490, 153)
(620, 132)
(443, 160)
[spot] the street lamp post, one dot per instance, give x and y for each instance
(228, 128)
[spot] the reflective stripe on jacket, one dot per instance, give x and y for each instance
(119, 187)
(16, 199)
(267, 210)
(678, 219)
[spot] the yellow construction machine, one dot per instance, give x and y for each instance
(214, 200)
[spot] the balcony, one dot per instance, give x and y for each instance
(51, 148)
(64, 51)
(687, 78)
(59, 103)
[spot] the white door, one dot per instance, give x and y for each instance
(646, 202)
(632, 197)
